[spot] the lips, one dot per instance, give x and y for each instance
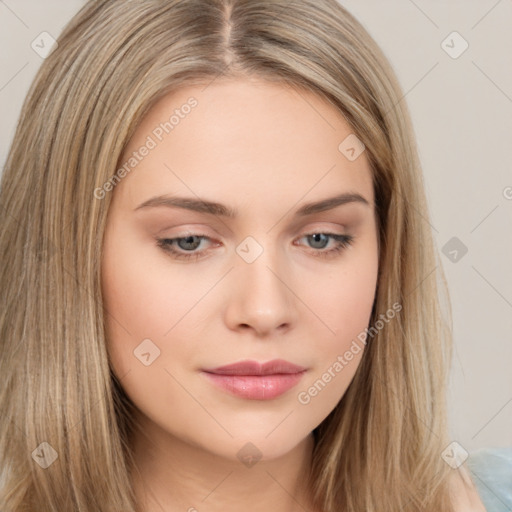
(256, 381)
(274, 367)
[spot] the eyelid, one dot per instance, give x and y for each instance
(200, 231)
(342, 242)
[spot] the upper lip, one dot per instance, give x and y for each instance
(276, 366)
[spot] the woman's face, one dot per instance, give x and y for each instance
(270, 274)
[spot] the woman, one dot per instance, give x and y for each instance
(214, 266)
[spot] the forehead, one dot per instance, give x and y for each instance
(243, 140)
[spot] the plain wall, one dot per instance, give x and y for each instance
(462, 115)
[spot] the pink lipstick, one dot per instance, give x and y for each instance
(256, 381)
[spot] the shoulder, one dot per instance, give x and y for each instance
(491, 472)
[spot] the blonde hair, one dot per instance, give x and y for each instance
(380, 448)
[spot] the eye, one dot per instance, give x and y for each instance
(187, 243)
(321, 240)
(185, 247)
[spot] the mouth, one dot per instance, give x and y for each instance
(255, 381)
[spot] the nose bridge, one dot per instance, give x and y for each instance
(261, 298)
(261, 268)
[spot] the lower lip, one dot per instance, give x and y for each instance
(256, 387)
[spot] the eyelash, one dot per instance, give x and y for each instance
(342, 241)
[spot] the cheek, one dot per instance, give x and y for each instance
(133, 306)
(146, 298)
(344, 308)
(345, 297)
(143, 298)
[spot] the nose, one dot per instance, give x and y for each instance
(260, 297)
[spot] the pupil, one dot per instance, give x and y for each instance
(316, 236)
(188, 240)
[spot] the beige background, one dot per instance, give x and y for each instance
(462, 113)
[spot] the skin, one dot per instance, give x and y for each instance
(465, 495)
(265, 150)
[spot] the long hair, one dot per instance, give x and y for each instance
(66, 422)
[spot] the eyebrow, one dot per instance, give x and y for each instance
(213, 208)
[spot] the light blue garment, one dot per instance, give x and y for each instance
(491, 472)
